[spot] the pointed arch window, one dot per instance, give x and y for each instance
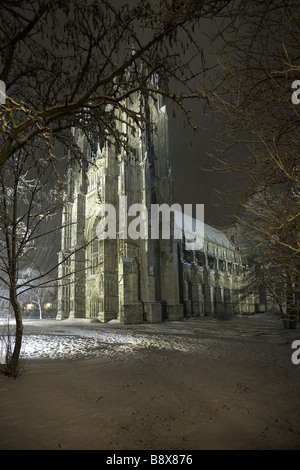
(94, 255)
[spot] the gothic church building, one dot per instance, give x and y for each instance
(140, 279)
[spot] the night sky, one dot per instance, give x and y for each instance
(189, 158)
(194, 180)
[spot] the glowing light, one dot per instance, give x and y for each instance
(48, 306)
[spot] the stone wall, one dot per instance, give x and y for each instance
(143, 279)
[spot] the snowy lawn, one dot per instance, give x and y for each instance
(197, 384)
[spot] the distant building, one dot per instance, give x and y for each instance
(136, 280)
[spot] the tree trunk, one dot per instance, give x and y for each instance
(290, 319)
(13, 362)
(291, 314)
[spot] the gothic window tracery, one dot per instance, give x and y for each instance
(94, 255)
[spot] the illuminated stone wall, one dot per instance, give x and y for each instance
(136, 280)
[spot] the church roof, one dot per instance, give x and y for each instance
(215, 235)
(203, 231)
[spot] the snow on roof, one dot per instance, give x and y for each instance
(215, 235)
(202, 230)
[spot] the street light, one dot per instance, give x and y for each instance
(30, 306)
(48, 306)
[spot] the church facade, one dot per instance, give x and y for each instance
(137, 279)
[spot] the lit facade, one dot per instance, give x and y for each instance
(136, 280)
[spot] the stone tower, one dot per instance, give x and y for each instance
(123, 277)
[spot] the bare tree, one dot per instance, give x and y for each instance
(30, 223)
(77, 64)
(252, 93)
(41, 299)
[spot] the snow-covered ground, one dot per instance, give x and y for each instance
(83, 339)
(78, 339)
(197, 384)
